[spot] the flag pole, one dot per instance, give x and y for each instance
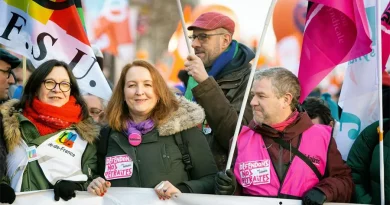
(24, 72)
(378, 17)
(191, 80)
(183, 26)
(248, 87)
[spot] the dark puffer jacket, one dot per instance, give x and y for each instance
(158, 157)
(363, 159)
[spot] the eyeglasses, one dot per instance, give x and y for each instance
(8, 72)
(51, 84)
(203, 36)
(93, 111)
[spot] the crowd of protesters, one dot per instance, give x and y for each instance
(54, 136)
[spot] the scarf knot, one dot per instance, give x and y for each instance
(140, 128)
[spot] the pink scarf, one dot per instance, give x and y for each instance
(284, 124)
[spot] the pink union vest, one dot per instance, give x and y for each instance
(256, 174)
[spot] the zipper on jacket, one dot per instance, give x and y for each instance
(139, 174)
(288, 165)
(89, 172)
(280, 162)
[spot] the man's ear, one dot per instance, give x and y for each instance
(288, 99)
(226, 40)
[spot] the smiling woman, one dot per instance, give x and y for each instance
(52, 94)
(139, 93)
(52, 124)
(152, 136)
(54, 84)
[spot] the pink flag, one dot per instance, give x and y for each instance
(386, 37)
(336, 31)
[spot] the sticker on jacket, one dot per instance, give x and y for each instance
(118, 167)
(31, 153)
(255, 172)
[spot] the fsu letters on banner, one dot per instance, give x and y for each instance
(41, 30)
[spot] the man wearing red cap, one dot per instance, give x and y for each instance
(221, 68)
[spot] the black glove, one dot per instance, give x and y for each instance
(65, 190)
(7, 194)
(314, 197)
(225, 183)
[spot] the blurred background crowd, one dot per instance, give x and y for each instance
(150, 29)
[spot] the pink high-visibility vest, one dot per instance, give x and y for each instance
(256, 174)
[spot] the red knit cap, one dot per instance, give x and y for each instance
(212, 21)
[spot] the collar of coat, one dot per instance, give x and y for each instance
(87, 129)
(187, 116)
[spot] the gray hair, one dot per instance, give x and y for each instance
(102, 101)
(283, 81)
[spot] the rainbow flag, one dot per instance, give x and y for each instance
(43, 30)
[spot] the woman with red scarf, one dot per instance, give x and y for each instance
(49, 134)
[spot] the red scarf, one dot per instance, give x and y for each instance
(385, 78)
(284, 124)
(49, 119)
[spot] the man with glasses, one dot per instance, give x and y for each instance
(96, 106)
(7, 63)
(220, 68)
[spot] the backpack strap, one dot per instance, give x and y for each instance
(101, 146)
(185, 153)
(299, 154)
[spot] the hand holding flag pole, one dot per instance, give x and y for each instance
(248, 87)
(191, 80)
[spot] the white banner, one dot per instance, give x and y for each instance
(41, 31)
(359, 94)
(137, 196)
